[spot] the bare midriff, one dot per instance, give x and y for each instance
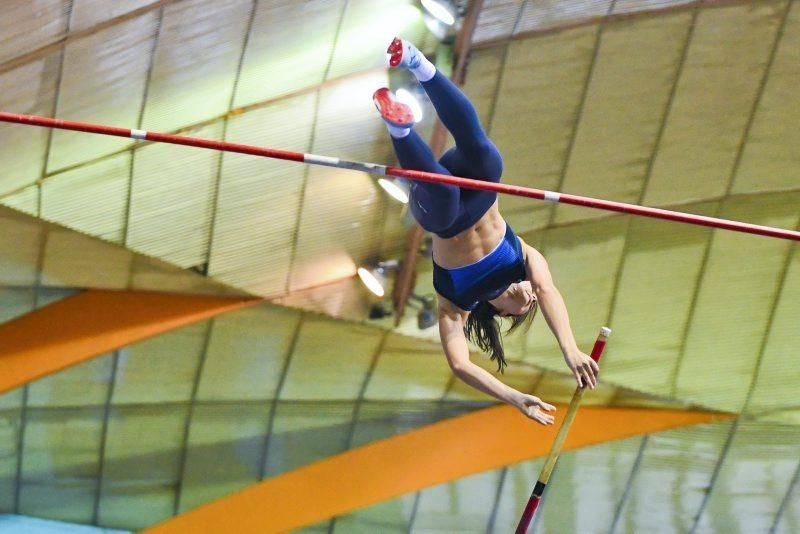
(472, 244)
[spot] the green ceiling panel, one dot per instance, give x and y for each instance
(583, 260)
(305, 432)
(776, 386)
(17, 301)
(224, 451)
(330, 360)
(390, 517)
(367, 27)
(586, 487)
(247, 351)
(668, 488)
(754, 478)
(515, 489)
(86, 384)
(249, 231)
(407, 371)
(143, 451)
(60, 463)
(463, 505)
(106, 87)
(161, 369)
(10, 425)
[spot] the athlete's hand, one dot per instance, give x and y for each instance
(535, 408)
(583, 368)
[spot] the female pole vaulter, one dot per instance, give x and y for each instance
(482, 271)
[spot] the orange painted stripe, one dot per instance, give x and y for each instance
(92, 323)
(448, 450)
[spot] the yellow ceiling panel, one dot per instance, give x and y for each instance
(174, 188)
(26, 25)
(341, 222)
(90, 199)
(366, 29)
(259, 199)
(30, 88)
(732, 309)
(97, 266)
(20, 246)
(584, 260)
(288, 37)
(535, 112)
(776, 387)
(496, 19)
(104, 77)
(26, 201)
(713, 102)
(658, 278)
(769, 160)
(183, 90)
(623, 111)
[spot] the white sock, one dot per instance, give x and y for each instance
(425, 70)
(397, 132)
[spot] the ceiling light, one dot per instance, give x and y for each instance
(394, 190)
(406, 97)
(373, 275)
(372, 279)
(440, 10)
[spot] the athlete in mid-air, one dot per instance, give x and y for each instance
(481, 270)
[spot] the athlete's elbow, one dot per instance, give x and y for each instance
(458, 368)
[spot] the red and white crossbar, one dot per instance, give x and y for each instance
(374, 168)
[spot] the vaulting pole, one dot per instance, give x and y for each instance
(374, 168)
(558, 444)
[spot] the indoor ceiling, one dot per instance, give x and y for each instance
(686, 105)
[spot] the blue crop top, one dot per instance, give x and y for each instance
(486, 279)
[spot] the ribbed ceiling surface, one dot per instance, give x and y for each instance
(691, 106)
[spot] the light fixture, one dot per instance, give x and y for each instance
(406, 97)
(373, 275)
(443, 11)
(395, 190)
(426, 316)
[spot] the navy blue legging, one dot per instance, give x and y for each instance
(447, 210)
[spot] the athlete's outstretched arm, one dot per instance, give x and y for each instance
(454, 343)
(555, 313)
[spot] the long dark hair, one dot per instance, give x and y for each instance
(484, 329)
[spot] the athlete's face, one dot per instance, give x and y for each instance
(515, 300)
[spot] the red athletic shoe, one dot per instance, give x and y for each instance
(403, 54)
(393, 112)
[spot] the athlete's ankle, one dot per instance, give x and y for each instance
(403, 54)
